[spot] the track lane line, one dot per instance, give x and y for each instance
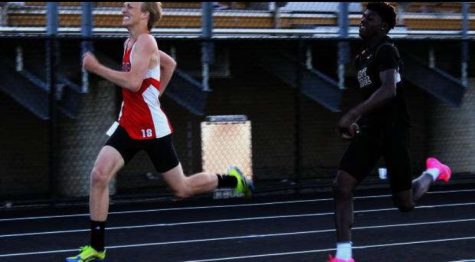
(254, 236)
(224, 220)
(217, 206)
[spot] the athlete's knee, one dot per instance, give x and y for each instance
(182, 191)
(99, 177)
(178, 182)
(340, 190)
(343, 185)
(404, 205)
(404, 201)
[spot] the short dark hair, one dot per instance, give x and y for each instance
(385, 11)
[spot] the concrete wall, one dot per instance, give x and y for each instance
(23, 151)
(451, 134)
(83, 137)
(439, 130)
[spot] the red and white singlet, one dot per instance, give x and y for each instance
(141, 115)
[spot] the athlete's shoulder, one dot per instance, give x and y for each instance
(147, 42)
(386, 48)
(146, 38)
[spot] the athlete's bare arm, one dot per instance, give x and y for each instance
(167, 67)
(377, 99)
(145, 48)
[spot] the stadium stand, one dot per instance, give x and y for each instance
(416, 15)
(317, 19)
(251, 73)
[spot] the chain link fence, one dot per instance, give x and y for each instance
(284, 82)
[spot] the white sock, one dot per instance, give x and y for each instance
(343, 250)
(433, 172)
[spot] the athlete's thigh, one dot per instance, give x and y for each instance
(162, 153)
(124, 144)
(362, 154)
(397, 158)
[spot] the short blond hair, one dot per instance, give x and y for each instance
(155, 11)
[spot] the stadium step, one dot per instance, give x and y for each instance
(314, 84)
(435, 81)
(187, 92)
(29, 88)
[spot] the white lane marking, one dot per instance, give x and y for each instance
(331, 249)
(217, 206)
(223, 220)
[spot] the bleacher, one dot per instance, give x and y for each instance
(246, 15)
(273, 81)
(436, 7)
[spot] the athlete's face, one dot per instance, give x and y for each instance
(371, 25)
(132, 13)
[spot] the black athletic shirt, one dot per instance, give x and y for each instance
(369, 63)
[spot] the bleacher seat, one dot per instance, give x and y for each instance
(319, 7)
(417, 15)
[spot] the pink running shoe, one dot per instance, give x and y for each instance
(334, 259)
(445, 172)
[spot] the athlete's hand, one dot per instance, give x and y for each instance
(349, 133)
(89, 62)
(347, 127)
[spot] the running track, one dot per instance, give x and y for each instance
(295, 227)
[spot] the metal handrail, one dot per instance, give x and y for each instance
(220, 33)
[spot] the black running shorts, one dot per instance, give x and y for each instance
(372, 143)
(161, 150)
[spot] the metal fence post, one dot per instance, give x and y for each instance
(86, 45)
(342, 44)
(51, 69)
(298, 118)
(465, 50)
(207, 45)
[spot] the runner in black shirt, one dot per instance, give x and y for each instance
(378, 127)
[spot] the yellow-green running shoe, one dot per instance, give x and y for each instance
(244, 186)
(86, 254)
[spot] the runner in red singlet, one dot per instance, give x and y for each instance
(142, 125)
